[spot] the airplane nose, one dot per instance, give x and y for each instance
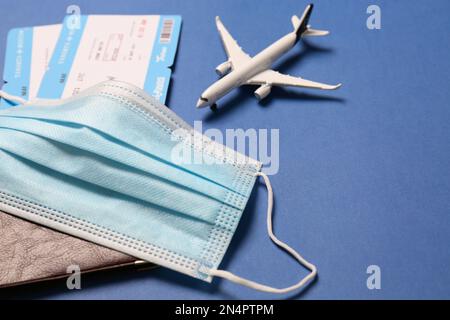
(201, 103)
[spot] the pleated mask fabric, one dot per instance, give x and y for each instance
(101, 166)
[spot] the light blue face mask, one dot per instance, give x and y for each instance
(101, 166)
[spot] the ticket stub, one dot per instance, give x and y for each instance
(139, 49)
(28, 52)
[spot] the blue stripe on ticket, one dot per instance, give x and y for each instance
(17, 64)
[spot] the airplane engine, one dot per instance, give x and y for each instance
(223, 68)
(263, 91)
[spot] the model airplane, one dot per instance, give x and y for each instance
(246, 70)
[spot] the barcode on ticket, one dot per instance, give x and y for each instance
(166, 33)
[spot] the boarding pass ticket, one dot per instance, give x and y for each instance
(139, 49)
(28, 52)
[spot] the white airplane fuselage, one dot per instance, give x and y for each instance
(239, 76)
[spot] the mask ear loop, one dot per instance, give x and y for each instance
(12, 98)
(261, 287)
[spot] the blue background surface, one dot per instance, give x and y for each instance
(364, 172)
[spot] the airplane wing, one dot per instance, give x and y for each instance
(278, 79)
(232, 48)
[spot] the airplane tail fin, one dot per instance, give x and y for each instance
(301, 27)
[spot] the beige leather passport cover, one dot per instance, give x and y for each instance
(30, 252)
